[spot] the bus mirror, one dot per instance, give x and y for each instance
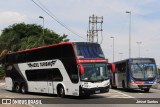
(81, 69)
(113, 69)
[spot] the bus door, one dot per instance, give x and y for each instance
(121, 74)
(50, 82)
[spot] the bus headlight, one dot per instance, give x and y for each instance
(132, 84)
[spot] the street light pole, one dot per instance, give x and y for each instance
(43, 22)
(139, 47)
(121, 55)
(113, 47)
(129, 12)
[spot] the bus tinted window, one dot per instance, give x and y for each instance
(10, 58)
(43, 54)
(86, 50)
(44, 75)
(67, 51)
(121, 68)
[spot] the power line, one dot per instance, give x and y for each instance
(42, 7)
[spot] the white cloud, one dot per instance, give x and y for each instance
(12, 17)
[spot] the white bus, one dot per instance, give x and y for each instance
(135, 73)
(69, 68)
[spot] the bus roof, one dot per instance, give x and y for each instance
(42, 47)
(133, 59)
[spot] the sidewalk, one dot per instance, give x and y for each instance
(2, 82)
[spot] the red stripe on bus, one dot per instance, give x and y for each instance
(41, 47)
(93, 60)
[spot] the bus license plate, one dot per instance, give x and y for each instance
(98, 91)
(144, 87)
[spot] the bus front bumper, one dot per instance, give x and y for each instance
(140, 86)
(89, 91)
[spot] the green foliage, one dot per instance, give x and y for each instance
(1, 72)
(23, 36)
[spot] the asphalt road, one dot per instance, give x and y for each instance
(115, 98)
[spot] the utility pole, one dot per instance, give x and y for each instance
(120, 55)
(43, 22)
(129, 12)
(94, 23)
(113, 47)
(139, 51)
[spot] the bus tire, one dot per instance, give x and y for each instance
(17, 88)
(61, 91)
(146, 90)
(123, 85)
(111, 86)
(23, 89)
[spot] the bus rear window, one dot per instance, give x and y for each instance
(88, 50)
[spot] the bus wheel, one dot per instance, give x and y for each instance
(61, 92)
(146, 90)
(111, 85)
(17, 87)
(123, 85)
(23, 89)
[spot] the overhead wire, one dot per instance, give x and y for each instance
(43, 8)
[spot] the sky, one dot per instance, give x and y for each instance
(145, 22)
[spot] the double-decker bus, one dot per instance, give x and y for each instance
(69, 68)
(135, 73)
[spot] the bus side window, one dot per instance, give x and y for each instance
(57, 76)
(21, 57)
(74, 74)
(121, 68)
(54, 75)
(11, 58)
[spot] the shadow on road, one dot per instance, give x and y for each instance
(132, 90)
(93, 99)
(66, 97)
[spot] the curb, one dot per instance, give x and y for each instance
(2, 84)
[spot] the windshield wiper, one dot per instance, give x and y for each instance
(140, 67)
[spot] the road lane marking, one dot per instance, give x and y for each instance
(116, 94)
(30, 105)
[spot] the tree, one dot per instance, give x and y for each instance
(1, 72)
(23, 36)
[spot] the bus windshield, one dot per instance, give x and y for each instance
(88, 50)
(143, 71)
(94, 72)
